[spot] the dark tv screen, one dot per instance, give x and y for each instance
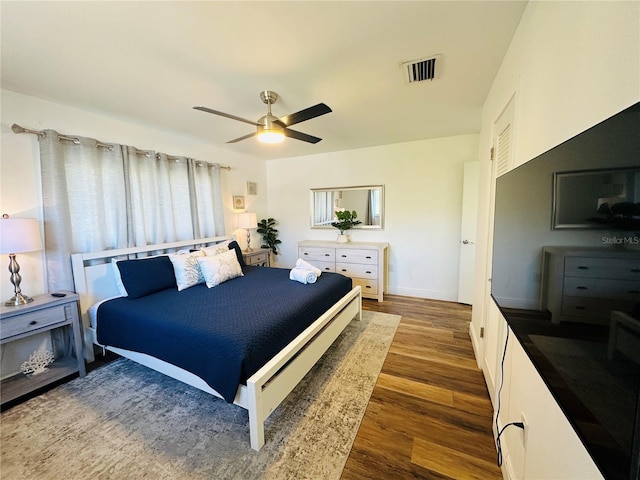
(570, 204)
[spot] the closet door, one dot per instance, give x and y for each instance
(494, 326)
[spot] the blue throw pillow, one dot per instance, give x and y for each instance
(146, 275)
(238, 250)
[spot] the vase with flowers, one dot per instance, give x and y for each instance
(344, 220)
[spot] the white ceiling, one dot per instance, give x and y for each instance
(150, 62)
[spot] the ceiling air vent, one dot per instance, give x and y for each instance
(423, 69)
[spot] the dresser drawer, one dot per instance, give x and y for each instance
(597, 308)
(602, 288)
(324, 266)
(258, 259)
(31, 321)
(619, 268)
(357, 270)
(369, 287)
(317, 253)
(356, 255)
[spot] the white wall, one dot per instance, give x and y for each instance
(570, 66)
(423, 202)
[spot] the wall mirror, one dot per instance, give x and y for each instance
(367, 201)
(603, 198)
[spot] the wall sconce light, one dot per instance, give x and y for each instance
(18, 235)
(247, 221)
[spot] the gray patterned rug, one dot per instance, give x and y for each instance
(124, 421)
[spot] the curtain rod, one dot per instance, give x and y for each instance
(15, 128)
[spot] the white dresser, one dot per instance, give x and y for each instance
(365, 262)
(587, 283)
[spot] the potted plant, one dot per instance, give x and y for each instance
(269, 234)
(345, 220)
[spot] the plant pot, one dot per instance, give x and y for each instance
(342, 238)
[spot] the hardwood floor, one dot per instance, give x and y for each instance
(429, 416)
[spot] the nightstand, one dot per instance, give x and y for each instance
(258, 257)
(60, 317)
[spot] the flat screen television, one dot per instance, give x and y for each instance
(559, 219)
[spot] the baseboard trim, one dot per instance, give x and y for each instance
(420, 293)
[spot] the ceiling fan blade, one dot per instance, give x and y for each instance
(228, 115)
(304, 115)
(244, 137)
(300, 136)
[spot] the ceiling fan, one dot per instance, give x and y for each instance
(271, 129)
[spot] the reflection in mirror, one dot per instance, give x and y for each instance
(602, 198)
(367, 201)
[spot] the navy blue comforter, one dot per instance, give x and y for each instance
(222, 334)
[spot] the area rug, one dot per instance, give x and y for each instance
(125, 421)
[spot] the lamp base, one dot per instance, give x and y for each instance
(18, 299)
(249, 249)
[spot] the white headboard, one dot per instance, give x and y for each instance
(93, 273)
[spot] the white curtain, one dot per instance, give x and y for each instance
(106, 196)
(324, 208)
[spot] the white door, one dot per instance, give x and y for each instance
(492, 324)
(468, 232)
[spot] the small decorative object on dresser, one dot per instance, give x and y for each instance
(45, 314)
(345, 220)
(366, 263)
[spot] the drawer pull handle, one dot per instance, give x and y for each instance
(33, 322)
(579, 307)
(581, 288)
(327, 268)
(367, 271)
(367, 286)
(368, 257)
(344, 269)
(305, 253)
(343, 256)
(583, 268)
(634, 291)
(327, 255)
(635, 270)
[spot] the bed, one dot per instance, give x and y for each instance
(257, 308)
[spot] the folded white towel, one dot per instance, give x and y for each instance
(302, 276)
(307, 266)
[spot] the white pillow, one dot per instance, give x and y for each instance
(118, 278)
(216, 249)
(187, 269)
(220, 268)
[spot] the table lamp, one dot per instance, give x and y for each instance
(247, 221)
(18, 235)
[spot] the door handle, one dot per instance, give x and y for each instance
(467, 242)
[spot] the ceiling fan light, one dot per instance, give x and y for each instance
(270, 136)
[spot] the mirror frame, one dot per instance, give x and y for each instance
(337, 189)
(624, 195)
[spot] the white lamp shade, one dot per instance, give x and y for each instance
(247, 220)
(18, 235)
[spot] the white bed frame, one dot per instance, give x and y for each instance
(269, 386)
